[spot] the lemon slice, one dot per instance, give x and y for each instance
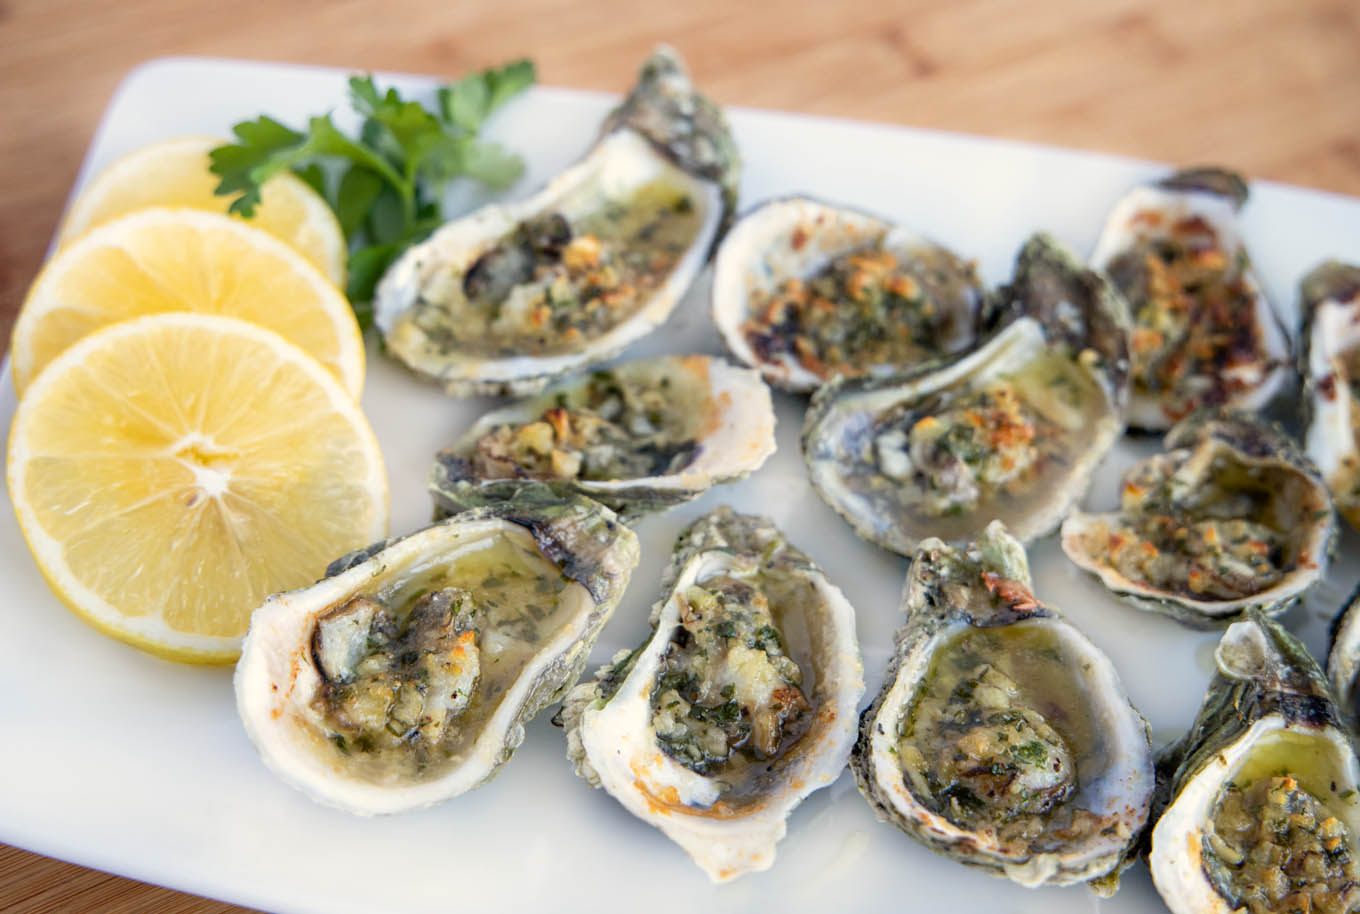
(175, 173)
(164, 259)
(170, 472)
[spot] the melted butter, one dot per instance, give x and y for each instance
(1060, 401)
(519, 608)
(1051, 685)
(622, 250)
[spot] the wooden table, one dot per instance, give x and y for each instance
(1271, 87)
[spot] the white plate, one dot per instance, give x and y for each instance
(119, 761)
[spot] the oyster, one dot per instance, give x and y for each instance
(804, 290)
(1002, 736)
(1343, 658)
(1203, 332)
(509, 297)
(1264, 812)
(1232, 517)
(639, 437)
(1330, 366)
(740, 704)
(407, 674)
(1011, 431)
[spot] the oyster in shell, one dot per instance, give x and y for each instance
(407, 674)
(639, 437)
(1230, 518)
(1002, 737)
(806, 290)
(741, 703)
(1343, 658)
(505, 299)
(1264, 811)
(1330, 366)
(1203, 332)
(1011, 431)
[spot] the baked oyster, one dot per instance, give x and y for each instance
(1203, 332)
(1330, 367)
(1343, 658)
(1010, 431)
(1231, 517)
(1264, 814)
(505, 299)
(806, 290)
(741, 702)
(407, 674)
(1002, 737)
(639, 437)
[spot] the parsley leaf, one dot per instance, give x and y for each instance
(386, 185)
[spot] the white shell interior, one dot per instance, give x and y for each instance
(620, 740)
(1330, 439)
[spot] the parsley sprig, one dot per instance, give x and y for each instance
(386, 185)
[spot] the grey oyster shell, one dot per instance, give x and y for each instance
(1258, 473)
(694, 421)
(1267, 712)
(1060, 356)
(1329, 363)
(1191, 209)
(663, 134)
(571, 557)
(730, 819)
(797, 238)
(975, 607)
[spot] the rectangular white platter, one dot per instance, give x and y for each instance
(122, 762)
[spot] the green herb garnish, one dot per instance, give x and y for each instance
(386, 185)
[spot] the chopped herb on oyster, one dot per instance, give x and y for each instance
(805, 290)
(1263, 815)
(1203, 332)
(639, 437)
(1231, 517)
(740, 704)
(406, 676)
(1002, 737)
(505, 299)
(1330, 367)
(1013, 430)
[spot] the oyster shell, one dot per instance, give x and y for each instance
(1011, 431)
(639, 437)
(805, 290)
(740, 703)
(1264, 810)
(1203, 332)
(505, 299)
(407, 674)
(1002, 737)
(1231, 517)
(1330, 367)
(1343, 658)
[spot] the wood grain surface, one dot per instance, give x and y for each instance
(1271, 87)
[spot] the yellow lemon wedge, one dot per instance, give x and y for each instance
(165, 259)
(175, 173)
(170, 472)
